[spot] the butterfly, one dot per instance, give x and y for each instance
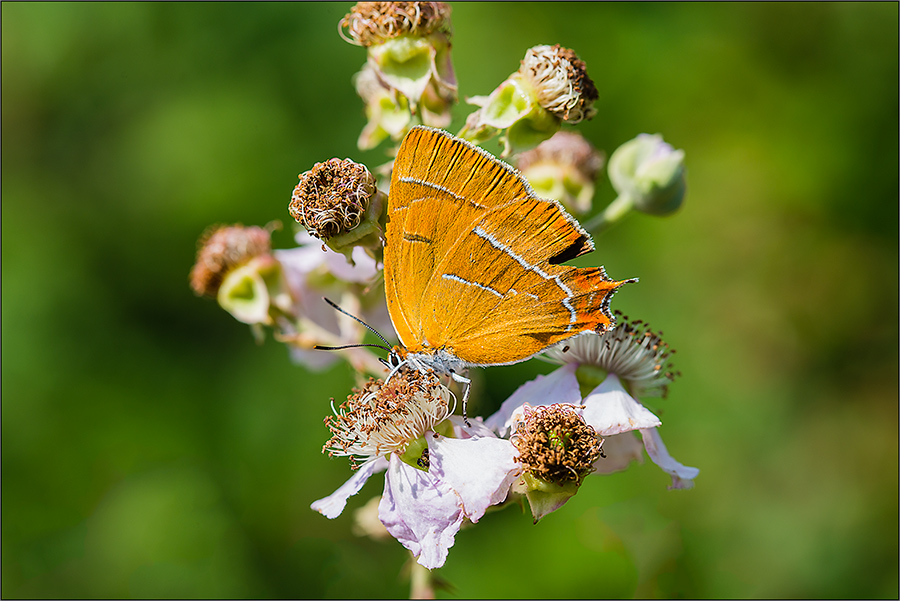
(473, 269)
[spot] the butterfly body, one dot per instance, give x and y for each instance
(472, 260)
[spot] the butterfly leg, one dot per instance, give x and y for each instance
(467, 383)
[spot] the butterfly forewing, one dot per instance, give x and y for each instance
(471, 257)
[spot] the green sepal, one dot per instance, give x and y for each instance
(546, 497)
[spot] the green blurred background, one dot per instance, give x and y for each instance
(151, 449)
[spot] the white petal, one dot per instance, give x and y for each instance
(480, 470)
(475, 428)
(610, 410)
(559, 386)
(421, 512)
(620, 451)
(362, 271)
(682, 475)
(332, 505)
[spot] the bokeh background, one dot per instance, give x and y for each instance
(151, 449)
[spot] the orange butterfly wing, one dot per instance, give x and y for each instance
(471, 258)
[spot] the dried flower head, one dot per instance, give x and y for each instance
(631, 351)
(563, 168)
(561, 82)
(332, 197)
(555, 444)
(384, 417)
(565, 148)
(221, 249)
(370, 23)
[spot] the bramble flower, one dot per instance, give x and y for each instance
(563, 168)
(440, 472)
(236, 267)
(408, 46)
(629, 355)
(338, 202)
(551, 86)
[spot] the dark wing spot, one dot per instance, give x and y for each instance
(578, 248)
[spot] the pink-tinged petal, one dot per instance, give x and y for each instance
(682, 475)
(620, 451)
(610, 410)
(421, 512)
(363, 270)
(559, 386)
(332, 505)
(480, 470)
(476, 427)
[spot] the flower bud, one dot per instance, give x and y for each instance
(563, 168)
(337, 201)
(650, 173)
(408, 47)
(551, 86)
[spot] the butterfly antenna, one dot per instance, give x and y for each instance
(339, 348)
(368, 327)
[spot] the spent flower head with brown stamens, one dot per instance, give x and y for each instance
(564, 168)
(370, 23)
(555, 444)
(550, 86)
(221, 249)
(338, 202)
(385, 417)
(561, 81)
(332, 197)
(408, 51)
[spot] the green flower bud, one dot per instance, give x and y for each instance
(387, 112)
(650, 173)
